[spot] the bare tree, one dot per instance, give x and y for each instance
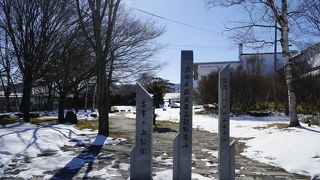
(101, 14)
(261, 15)
(311, 20)
(72, 66)
(6, 68)
(33, 28)
(254, 65)
(123, 46)
(133, 45)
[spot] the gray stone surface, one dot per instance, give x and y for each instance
(224, 124)
(183, 142)
(141, 154)
(232, 159)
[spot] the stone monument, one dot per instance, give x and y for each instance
(141, 154)
(226, 151)
(182, 147)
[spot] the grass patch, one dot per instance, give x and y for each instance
(201, 112)
(9, 120)
(163, 124)
(278, 125)
(94, 125)
(115, 135)
(274, 125)
(41, 121)
(88, 124)
(166, 126)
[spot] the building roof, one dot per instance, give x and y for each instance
(309, 51)
(217, 62)
(168, 96)
(260, 53)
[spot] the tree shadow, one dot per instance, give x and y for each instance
(308, 129)
(14, 124)
(87, 156)
(33, 141)
(163, 130)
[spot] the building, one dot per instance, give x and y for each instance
(308, 60)
(37, 102)
(14, 101)
(205, 68)
(264, 63)
(171, 98)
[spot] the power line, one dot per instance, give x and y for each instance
(175, 21)
(201, 46)
(195, 48)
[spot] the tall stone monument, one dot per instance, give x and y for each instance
(182, 147)
(141, 154)
(226, 150)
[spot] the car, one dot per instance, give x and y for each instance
(175, 105)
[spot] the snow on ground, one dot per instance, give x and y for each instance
(294, 149)
(41, 147)
(104, 173)
(123, 108)
(81, 114)
(167, 174)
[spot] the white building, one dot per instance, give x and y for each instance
(247, 61)
(171, 98)
(309, 60)
(205, 68)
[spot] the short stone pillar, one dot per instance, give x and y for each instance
(226, 152)
(182, 147)
(141, 154)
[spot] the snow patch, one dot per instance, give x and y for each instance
(167, 174)
(297, 150)
(32, 149)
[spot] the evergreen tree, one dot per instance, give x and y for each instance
(158, 87)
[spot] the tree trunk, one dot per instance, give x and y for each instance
(49, 99)
(18, 105)
(76, 101)
(7, 92)
(7, 97)
(102, 98)
(62, 100)
(27, 88)
(288, 75)
(101, 47)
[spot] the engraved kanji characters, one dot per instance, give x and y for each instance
(143, 133)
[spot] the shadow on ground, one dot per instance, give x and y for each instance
(86, 157)
(163, 130)
(308, 129)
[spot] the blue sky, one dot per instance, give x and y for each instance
(206, 46)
